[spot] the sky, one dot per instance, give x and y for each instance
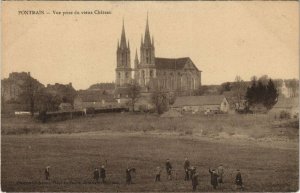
(223, 39)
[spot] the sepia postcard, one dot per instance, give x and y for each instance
(150, 96)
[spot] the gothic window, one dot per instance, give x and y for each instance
(151, 73)
(126, 74)
(119, 75)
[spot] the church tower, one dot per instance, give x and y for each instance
(123, 70)
(147, 48)
(147, 69)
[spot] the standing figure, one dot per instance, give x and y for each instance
(47, 172)
(128, 175)
(220, 173)
(186, 167)
(157, 174)
(102, 173)
(213, 178)
(96, 175)
(239, 180)
(169, 169)
(195, 181)
(192, 171)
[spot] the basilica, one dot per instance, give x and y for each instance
(178, 75)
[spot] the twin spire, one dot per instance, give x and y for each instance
(145, 42)
(123, 44)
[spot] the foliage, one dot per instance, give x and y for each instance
(134, 93)
(226, 86)
(30, 91)
(258, 93)
(161, 101)
(239, 88)
(102, 86)
(172, 98)
(284, 115)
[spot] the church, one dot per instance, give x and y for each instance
(176, 75)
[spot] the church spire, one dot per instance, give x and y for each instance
(142, 40)
(136, 59)
(123, 37)
(147, 40)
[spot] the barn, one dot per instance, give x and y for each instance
(209, 103)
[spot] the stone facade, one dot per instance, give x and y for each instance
(168, 74)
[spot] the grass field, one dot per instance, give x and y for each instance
(264, 150)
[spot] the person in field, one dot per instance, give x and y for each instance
(157, 174)
(192, 171)
(47, 172)
(102, 173)
(96, 175)
(195, 181)
(186, 167)
(239, 180)
(220, 173)
(169, 169)
(128, 175)
(213, 178)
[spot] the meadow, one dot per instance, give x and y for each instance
(264, 149)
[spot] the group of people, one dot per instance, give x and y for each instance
(190, 173)
(100, 174)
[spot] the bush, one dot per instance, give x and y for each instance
(284, 115)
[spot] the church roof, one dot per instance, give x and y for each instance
(173, 63)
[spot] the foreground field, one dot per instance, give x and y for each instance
(73, 157)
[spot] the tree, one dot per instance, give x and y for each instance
(160, 100)
(201, 90)
(134, 93)
(29, 94)
(226, 86)
(239, 89)
(258, 93)
(172, 98)
(271, 95)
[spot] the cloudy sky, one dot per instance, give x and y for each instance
(223, 39)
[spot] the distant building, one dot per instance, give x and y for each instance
(285, 91)
(12, 89)
(65, 107)
(178, 75)
(14, 85)
(215, 103)
(94, 99)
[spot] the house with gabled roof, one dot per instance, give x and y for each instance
(206, 103)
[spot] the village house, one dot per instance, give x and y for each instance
(205, 104)
(94, 99)
(65, 107)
